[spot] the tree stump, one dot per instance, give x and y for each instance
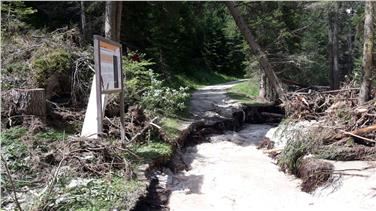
(29, 104)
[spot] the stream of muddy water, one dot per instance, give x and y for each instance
(218, 166)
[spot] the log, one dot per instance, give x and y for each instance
(272, 115)
(29, 104)
(364, 130)
(355, 133)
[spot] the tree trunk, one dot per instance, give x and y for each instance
(334, 72)
(365, 87)
(263, 59)
(83, 23)
(113, 20)
(24, 105)
(349, 56)
(262, 87)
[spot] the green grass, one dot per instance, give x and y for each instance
(52, 135)
(245, 92)
(198, 78)
(153, 150)
(172, 127)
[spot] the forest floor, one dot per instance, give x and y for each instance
(230, 173)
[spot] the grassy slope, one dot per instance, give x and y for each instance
(245, 92)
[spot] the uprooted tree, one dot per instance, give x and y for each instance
(263, 59)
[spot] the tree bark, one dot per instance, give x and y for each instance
(365, 86)
(25, 105)
(334, 72)
(262, 87)
(113, 20)
(349, 56)
(83, 23)
(263, 59)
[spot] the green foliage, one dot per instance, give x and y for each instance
(146, 87)
(14, 13)
(184, 36)
(138, 74)
(12, 144)
(14, 150)
(165, 100)
(294, 150)
(171, 126)
(52, 135)
(100, 194)
(57, 61)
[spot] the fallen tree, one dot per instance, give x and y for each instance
(263, 59)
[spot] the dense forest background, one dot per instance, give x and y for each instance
(186, 37)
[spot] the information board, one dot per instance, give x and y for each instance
(108, 79)
(109, 59)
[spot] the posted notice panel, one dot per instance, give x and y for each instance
(108, 79)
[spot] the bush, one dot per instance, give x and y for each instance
(58, 61)
(144, 86)
(165, 100)
(137, 74)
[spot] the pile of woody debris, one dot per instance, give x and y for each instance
(339, 112)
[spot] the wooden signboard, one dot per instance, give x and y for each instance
(108, 79)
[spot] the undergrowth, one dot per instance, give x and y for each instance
(114, 192)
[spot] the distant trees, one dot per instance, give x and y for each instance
(112, 21)
(367, 54)
(186, 36)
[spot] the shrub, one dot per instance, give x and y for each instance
(144, 86)
(137, 75)
(58, 61)
(165, 100)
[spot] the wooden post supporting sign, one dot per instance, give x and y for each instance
(108, 80)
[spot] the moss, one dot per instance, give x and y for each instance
(57, 61)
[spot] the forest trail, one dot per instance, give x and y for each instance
(212, 101)
(230, 173)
